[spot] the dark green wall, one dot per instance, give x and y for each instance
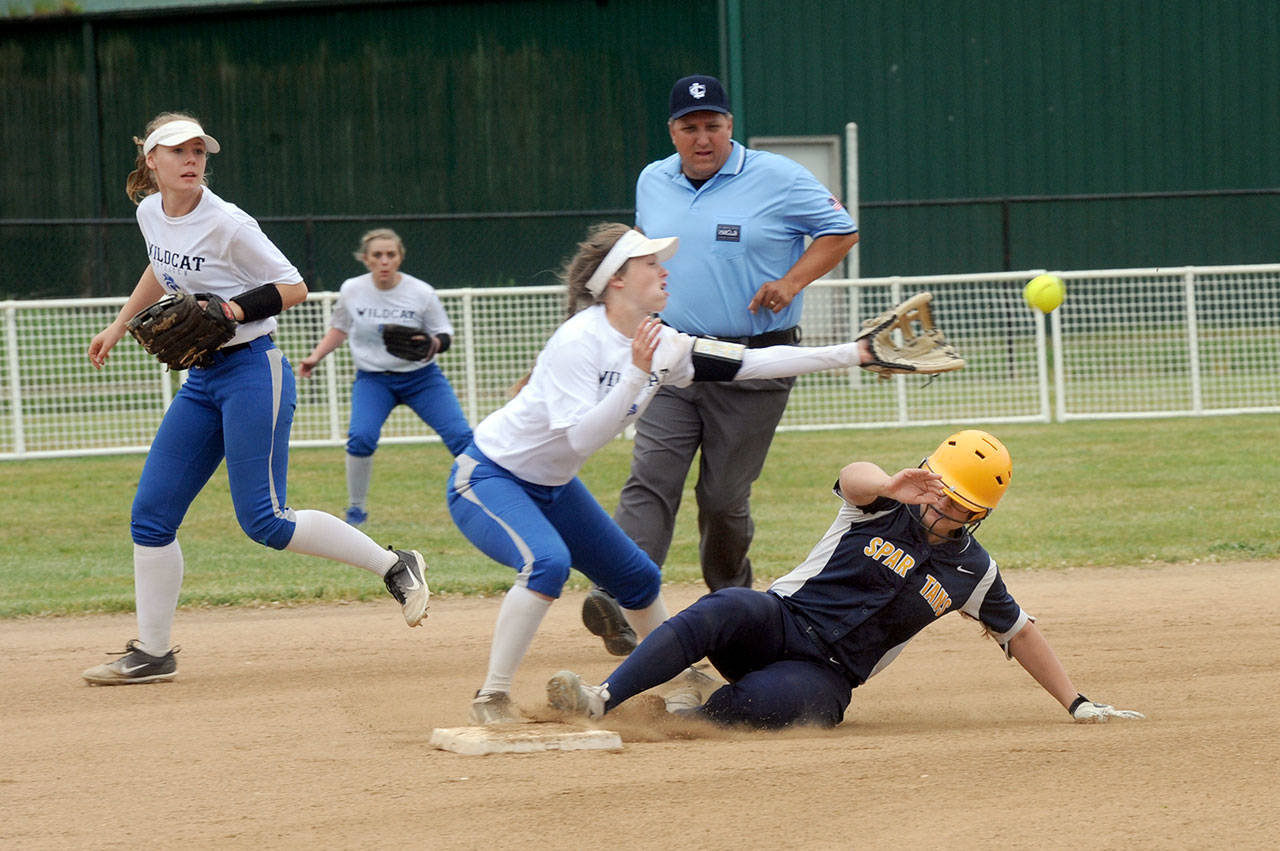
(1003, 97)
(439, 108)
(445, 112)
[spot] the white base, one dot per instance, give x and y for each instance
(523, 738)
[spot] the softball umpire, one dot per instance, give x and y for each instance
(238, 405)
(899, 555)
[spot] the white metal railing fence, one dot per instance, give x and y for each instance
(1168, 342)
(1127, 343)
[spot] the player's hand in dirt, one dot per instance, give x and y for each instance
(1089, 712)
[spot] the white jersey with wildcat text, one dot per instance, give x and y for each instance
(216, 248)
(582, 361)
(363, 309)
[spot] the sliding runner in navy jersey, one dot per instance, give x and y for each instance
(899, 555)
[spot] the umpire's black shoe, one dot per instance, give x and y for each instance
(603, 616)
(407, 582)
(134, 667)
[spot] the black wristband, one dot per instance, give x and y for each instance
(260, 302)
(1075, 704)
(445, 342)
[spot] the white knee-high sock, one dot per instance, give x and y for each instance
(157, 581)
(521, 613)
(359, 474)
(646, 620)
(319, 534)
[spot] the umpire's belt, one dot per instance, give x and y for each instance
(785, 337)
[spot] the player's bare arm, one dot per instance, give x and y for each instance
(332, 339)
(292, 295)
(146, 292)
(818, 259)
(1036, 656)
(862, 482)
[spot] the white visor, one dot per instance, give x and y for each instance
(178, 131)
(630, 244)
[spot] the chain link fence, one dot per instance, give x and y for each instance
(1126, 343)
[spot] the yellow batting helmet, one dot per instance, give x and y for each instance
(975, 469)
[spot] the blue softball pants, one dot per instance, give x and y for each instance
(241, 408)
(375, 394)
(543, 530)
(777, 675)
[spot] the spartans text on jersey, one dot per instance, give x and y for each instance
(890, 555)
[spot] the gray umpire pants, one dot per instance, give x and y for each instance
(733, 424)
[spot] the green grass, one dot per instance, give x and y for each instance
(1083, 494)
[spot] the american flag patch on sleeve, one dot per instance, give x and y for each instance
(835, 202)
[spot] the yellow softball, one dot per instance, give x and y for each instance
(1045, 292)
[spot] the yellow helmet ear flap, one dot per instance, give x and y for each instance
(975, 467)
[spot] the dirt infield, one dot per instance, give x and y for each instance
(309, 726)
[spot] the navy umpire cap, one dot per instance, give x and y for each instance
(696, 93)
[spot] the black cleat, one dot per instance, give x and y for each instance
(134, 667)
(407, 582)
(603, 616)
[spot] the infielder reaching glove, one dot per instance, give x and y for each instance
(923, 349)
(181, 333)
(408, 343)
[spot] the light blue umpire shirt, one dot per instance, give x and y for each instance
(744, 226)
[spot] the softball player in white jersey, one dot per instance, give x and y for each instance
(238, 406)
(514, 491)
(387, 296)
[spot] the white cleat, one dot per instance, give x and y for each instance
(568, 693)
(495, 707)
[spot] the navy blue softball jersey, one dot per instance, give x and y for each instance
(873, 582)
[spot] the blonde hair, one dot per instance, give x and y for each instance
(377, 233)
(141, 182)
(579, 268)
